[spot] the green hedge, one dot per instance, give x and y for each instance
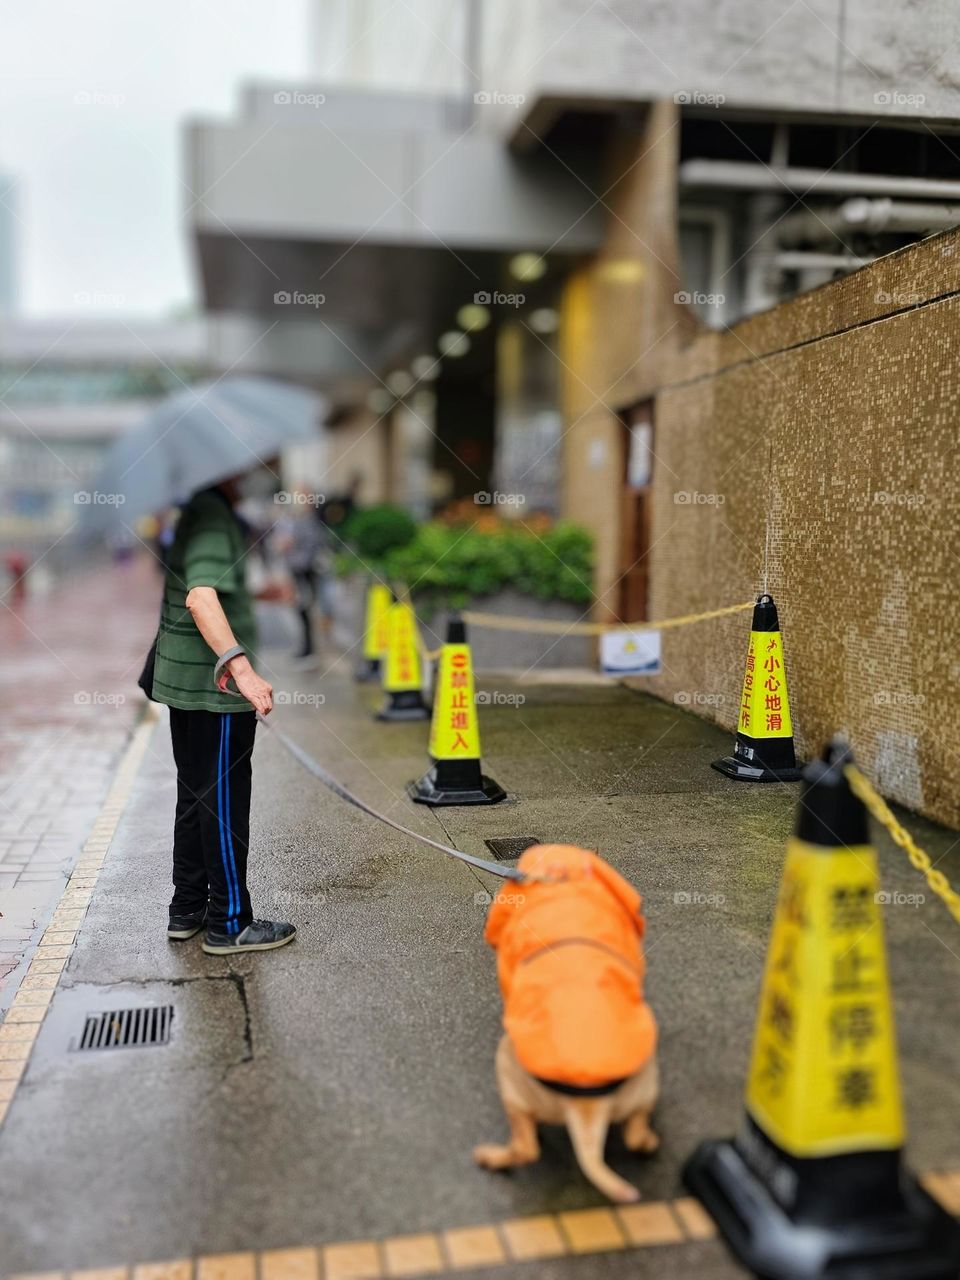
(454, 564)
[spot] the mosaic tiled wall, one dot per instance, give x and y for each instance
(815, 447)
(819, 440)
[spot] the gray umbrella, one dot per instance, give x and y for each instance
(196, 438)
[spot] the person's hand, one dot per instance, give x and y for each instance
(280, 592)
(253, 687)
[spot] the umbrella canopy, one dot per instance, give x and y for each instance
(196, 438)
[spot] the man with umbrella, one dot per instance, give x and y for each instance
(209, 440)
(207, 637)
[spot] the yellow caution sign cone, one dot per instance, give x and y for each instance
(379, 599)
(402, 673)
(813, 1184)
(763, 748)
(456, 776)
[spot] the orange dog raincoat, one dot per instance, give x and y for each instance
(570, 963)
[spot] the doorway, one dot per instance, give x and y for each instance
(635, 512)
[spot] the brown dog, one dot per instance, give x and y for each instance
(580, 1043)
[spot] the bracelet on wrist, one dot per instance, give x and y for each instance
(235, 651)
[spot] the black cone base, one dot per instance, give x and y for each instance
(368, 670)
(434, 789)
(917, 1240)
(408, 705)
(732, 767)
(760, 760)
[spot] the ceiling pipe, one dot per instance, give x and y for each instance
(870, 216)
(800, 260)
(737, 175)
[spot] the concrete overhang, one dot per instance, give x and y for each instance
(372, 224)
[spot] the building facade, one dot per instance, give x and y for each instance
(684, 277)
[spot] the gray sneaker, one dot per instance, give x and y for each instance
(183, 927)
(259, 935)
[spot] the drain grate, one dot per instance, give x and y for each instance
(509, 848)
(127, 1028)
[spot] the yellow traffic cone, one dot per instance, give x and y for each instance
(374, 631)
(813, 1184)
(456, 776)
(402, 674)
(763, 748)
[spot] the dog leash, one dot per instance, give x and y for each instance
(320, 773)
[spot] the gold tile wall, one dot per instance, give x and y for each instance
(837, 462)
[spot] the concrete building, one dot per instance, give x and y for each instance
(619, 258)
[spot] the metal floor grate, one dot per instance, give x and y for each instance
(127, 1028)
(509, 848)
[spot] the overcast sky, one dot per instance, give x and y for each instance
(92, 97)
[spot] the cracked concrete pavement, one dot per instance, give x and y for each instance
(333, 1090)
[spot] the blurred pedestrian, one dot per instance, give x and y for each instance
(299, 538)
(207, 637)
(16, 565)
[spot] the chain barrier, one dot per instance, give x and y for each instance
(880, 811)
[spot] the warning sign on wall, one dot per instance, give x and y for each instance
(630, 653)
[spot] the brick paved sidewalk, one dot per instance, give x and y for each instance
(69, 701)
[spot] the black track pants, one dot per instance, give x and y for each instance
(212, 829)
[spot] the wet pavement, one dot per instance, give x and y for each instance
(333, 1090)
(67, 676)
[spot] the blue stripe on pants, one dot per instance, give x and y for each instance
(222, 765)
(233, 925)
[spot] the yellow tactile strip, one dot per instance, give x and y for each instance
(432, 1253)
(28, 1009)
(582, 1231)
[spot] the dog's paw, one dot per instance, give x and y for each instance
(641, 1138)
(490, 1156)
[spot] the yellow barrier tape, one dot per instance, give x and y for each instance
(549, 627)
(880, 810)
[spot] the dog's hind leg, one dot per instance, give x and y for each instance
(523, 1147)
(638, 1107)
(637, 1134)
